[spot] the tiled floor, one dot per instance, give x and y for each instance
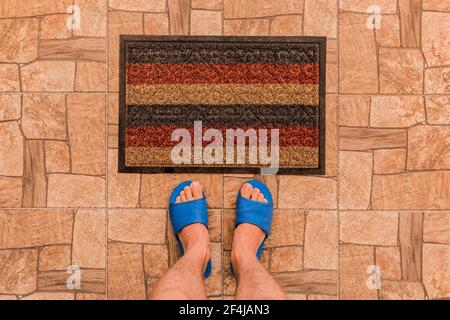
(384, 201)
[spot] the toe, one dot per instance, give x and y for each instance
(182, 196)
(178, 199)
(255, 194)
(188, 193)
(261, 197)
(246, 190)
(197, 192)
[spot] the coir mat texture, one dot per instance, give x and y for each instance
(184, 100)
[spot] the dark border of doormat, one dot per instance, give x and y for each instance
(282, 39)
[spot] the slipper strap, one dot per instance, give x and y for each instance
(198, 213)
(254, 212)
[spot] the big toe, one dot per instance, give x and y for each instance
(196, 189)
(246, 190)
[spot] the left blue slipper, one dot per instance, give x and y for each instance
(186, 213)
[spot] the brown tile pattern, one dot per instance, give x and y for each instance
(383, 203)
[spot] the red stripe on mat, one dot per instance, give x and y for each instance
(239, 73)
(160, 136)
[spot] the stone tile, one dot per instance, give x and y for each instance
(354, 263)
(232, 185)
(11, 149)
(401, 71)
(76, 48)
(389, 34)
(86, 124)
(287, 228)
(436, 227)
(229, 280)
(307, 192)
(50, 296)
(35, 227)
(44, 116)
(309, 282)
(156, 24)
(249, 27)
(418, 190)
(10, 192)
(10, 106)
(113, 108)
(360, 139)
(369, 227)
(428, 147)
(331, 137)
(436, 5)
(387, 161)
(321, 18)
(34, 175)
(19, 41)
(436, 270)
(123, 188)
(90, 76)
(125, 271)
(321, 240)
(156, 188)
(410, 238)
(9, 78)
(207, 4)
(113, 136)
(401, 290)
(52, 76)
(332, 81)
(388, 259)
(179, 12)
(54, 258)
(396, 111)
(92, 280)
(54, 27)
(262, 8)
(120, 23)
(214, 283)
(89, 239)
(358, 66)
(438, 109)
(286, 259)
(25, 8)
(57, 156)
(205, 22)
(215, 225)
(156, 260)
(90, 296)
(286, 25)
(321, 297)
(410, 12)
(435, 44)
(93, 18)
(18, 271)
(138, 5)
(296, 296)
(8, 297)
(66, 190)
(354, 111)
(228, 228)
(437, 81)
(138, 225)
(355, 179)
(386, 6)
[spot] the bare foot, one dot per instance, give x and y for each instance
(194, 237)
(247, 237)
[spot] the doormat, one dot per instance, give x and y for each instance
(222, 104)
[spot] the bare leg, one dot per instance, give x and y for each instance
(184, 280)
(254, 281)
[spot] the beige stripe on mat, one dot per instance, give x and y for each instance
(171, 94)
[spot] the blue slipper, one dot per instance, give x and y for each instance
(186, 213)
(255, 212)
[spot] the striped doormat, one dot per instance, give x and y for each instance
(222, 104)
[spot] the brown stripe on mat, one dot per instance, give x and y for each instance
(213, 94)
(290, 157)
(239, 73)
